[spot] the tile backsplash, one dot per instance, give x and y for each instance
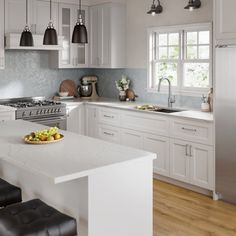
(27, 73)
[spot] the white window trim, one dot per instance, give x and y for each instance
(180, 90)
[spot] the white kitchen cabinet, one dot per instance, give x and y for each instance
(179, 160)
(91, 121)
(41, 16)
(4, 116)
(192, 163)
(2, 51)
(225, 27)
(132, 138)
(161, 146)
(202, 166)
(107, 35)
(75, 119)
(15, 15)
(72, 55)
(109, 133)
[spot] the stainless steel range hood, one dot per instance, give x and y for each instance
(12, 42)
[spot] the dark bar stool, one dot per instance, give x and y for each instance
(35, 218)
(9, 194)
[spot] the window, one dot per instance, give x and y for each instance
(182, 54)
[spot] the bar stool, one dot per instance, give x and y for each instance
(9, 194)
(35, 218)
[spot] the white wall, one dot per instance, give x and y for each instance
(138, 22)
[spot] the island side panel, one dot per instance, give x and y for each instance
(121, 200)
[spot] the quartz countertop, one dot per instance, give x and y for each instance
(74, 157)
(112, 103)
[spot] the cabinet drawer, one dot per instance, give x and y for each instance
(109, 133)
(145, 123)
(201, 132)
(109, 116)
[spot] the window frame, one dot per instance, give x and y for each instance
(180, 89)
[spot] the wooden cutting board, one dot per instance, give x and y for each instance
(70, 87)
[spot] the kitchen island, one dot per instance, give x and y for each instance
(106, 187)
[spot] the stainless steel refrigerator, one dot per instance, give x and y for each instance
(225, 122)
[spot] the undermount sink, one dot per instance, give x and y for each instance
(167, 110)
(155, 108)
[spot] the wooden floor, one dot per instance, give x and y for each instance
(181, 212)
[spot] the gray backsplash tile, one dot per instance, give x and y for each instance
(27, 73)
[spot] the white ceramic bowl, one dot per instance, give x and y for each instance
(63, 94)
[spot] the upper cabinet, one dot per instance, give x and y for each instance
(72, 55)
(15, 15)
(107, 36)
(41, 16)
(225, 27)
(2, 60)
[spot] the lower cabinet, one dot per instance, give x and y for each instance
(91, 121)
(75, 119)
(159, 145)
(132, 138)
(4, 116)
(109, 133)
(192, 163)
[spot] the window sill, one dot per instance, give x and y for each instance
(187, 92)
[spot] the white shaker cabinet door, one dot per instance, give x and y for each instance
(75, 119)
(15, 15)
(132, 138)
(41, 16)
(91, 121)
(202, 166)
(179, 160)
(161, 146)
(225, 27)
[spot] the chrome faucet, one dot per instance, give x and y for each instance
(171, 99)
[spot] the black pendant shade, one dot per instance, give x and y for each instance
(193, 4)
(26, 39)
(80, 34)
(155, 9)
(50, 35)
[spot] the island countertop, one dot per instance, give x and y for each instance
(75, 157)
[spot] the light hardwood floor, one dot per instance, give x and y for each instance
(181, 212)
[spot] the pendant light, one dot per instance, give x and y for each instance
(193, 4)
(155, 9)
(50, 35)
(80, 32)
(26, 39)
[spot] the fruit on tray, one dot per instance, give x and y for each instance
(49, 135)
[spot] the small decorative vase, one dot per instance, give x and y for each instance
(122, 96)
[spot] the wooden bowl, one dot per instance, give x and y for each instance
(43, 142)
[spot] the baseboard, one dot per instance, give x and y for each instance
(183, 185)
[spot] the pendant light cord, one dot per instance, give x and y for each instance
(51, 10)
(80, 11)
(26, 12)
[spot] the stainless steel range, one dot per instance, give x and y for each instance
(39, 110)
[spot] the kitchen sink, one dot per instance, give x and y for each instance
(155, 108)
(166, 110)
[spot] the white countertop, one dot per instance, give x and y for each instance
(112, 103)
(75, 157)
(6, 109)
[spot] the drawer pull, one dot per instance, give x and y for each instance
(106, 116)
(188, 129)
(153, 139)
(110, 134)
